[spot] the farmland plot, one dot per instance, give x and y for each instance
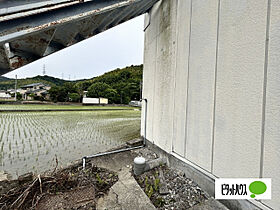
(30, 141)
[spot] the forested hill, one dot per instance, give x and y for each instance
(6, 83)
(3, 78)
(120, 86)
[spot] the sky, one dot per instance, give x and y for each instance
(118, 47)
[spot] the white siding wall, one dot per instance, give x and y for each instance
(211, 97)
(159, 60)
(181, 76)
(271, 164)
(239, 96)
(202, 64)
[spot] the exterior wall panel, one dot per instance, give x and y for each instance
(201, 82)
(161, 57)
(271, 167)
(164, 80)
(148, 86)
(239, 95)
(181, 76)
(149, 72)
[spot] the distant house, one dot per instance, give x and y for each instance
(36, 89)
(36, 86)
(12, 91)
(4, 95)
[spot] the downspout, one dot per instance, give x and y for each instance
(145, 121)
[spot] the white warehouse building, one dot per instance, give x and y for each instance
(212, 84)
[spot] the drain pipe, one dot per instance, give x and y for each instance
(121, 150)
(145, 122)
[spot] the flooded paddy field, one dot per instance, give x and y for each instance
(31, 141)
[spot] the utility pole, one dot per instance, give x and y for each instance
(16, 89)
(44, 70)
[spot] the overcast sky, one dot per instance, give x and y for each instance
(115, 48)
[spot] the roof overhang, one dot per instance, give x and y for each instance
(32, 29)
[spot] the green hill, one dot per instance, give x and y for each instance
(3, 78)
(6, 83)
(120, 85)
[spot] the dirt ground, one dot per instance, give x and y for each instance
(69, 188)
(109, 179)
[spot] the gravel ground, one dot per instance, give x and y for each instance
(170, 189)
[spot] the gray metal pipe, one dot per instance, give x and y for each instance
(109, 153)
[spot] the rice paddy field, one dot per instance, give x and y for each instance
(50, 107)
(31, 141)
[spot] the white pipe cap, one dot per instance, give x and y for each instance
(139, 160)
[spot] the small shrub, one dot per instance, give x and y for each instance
(159, 202)
(156, 184)
(100, 181)
(150, 191)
